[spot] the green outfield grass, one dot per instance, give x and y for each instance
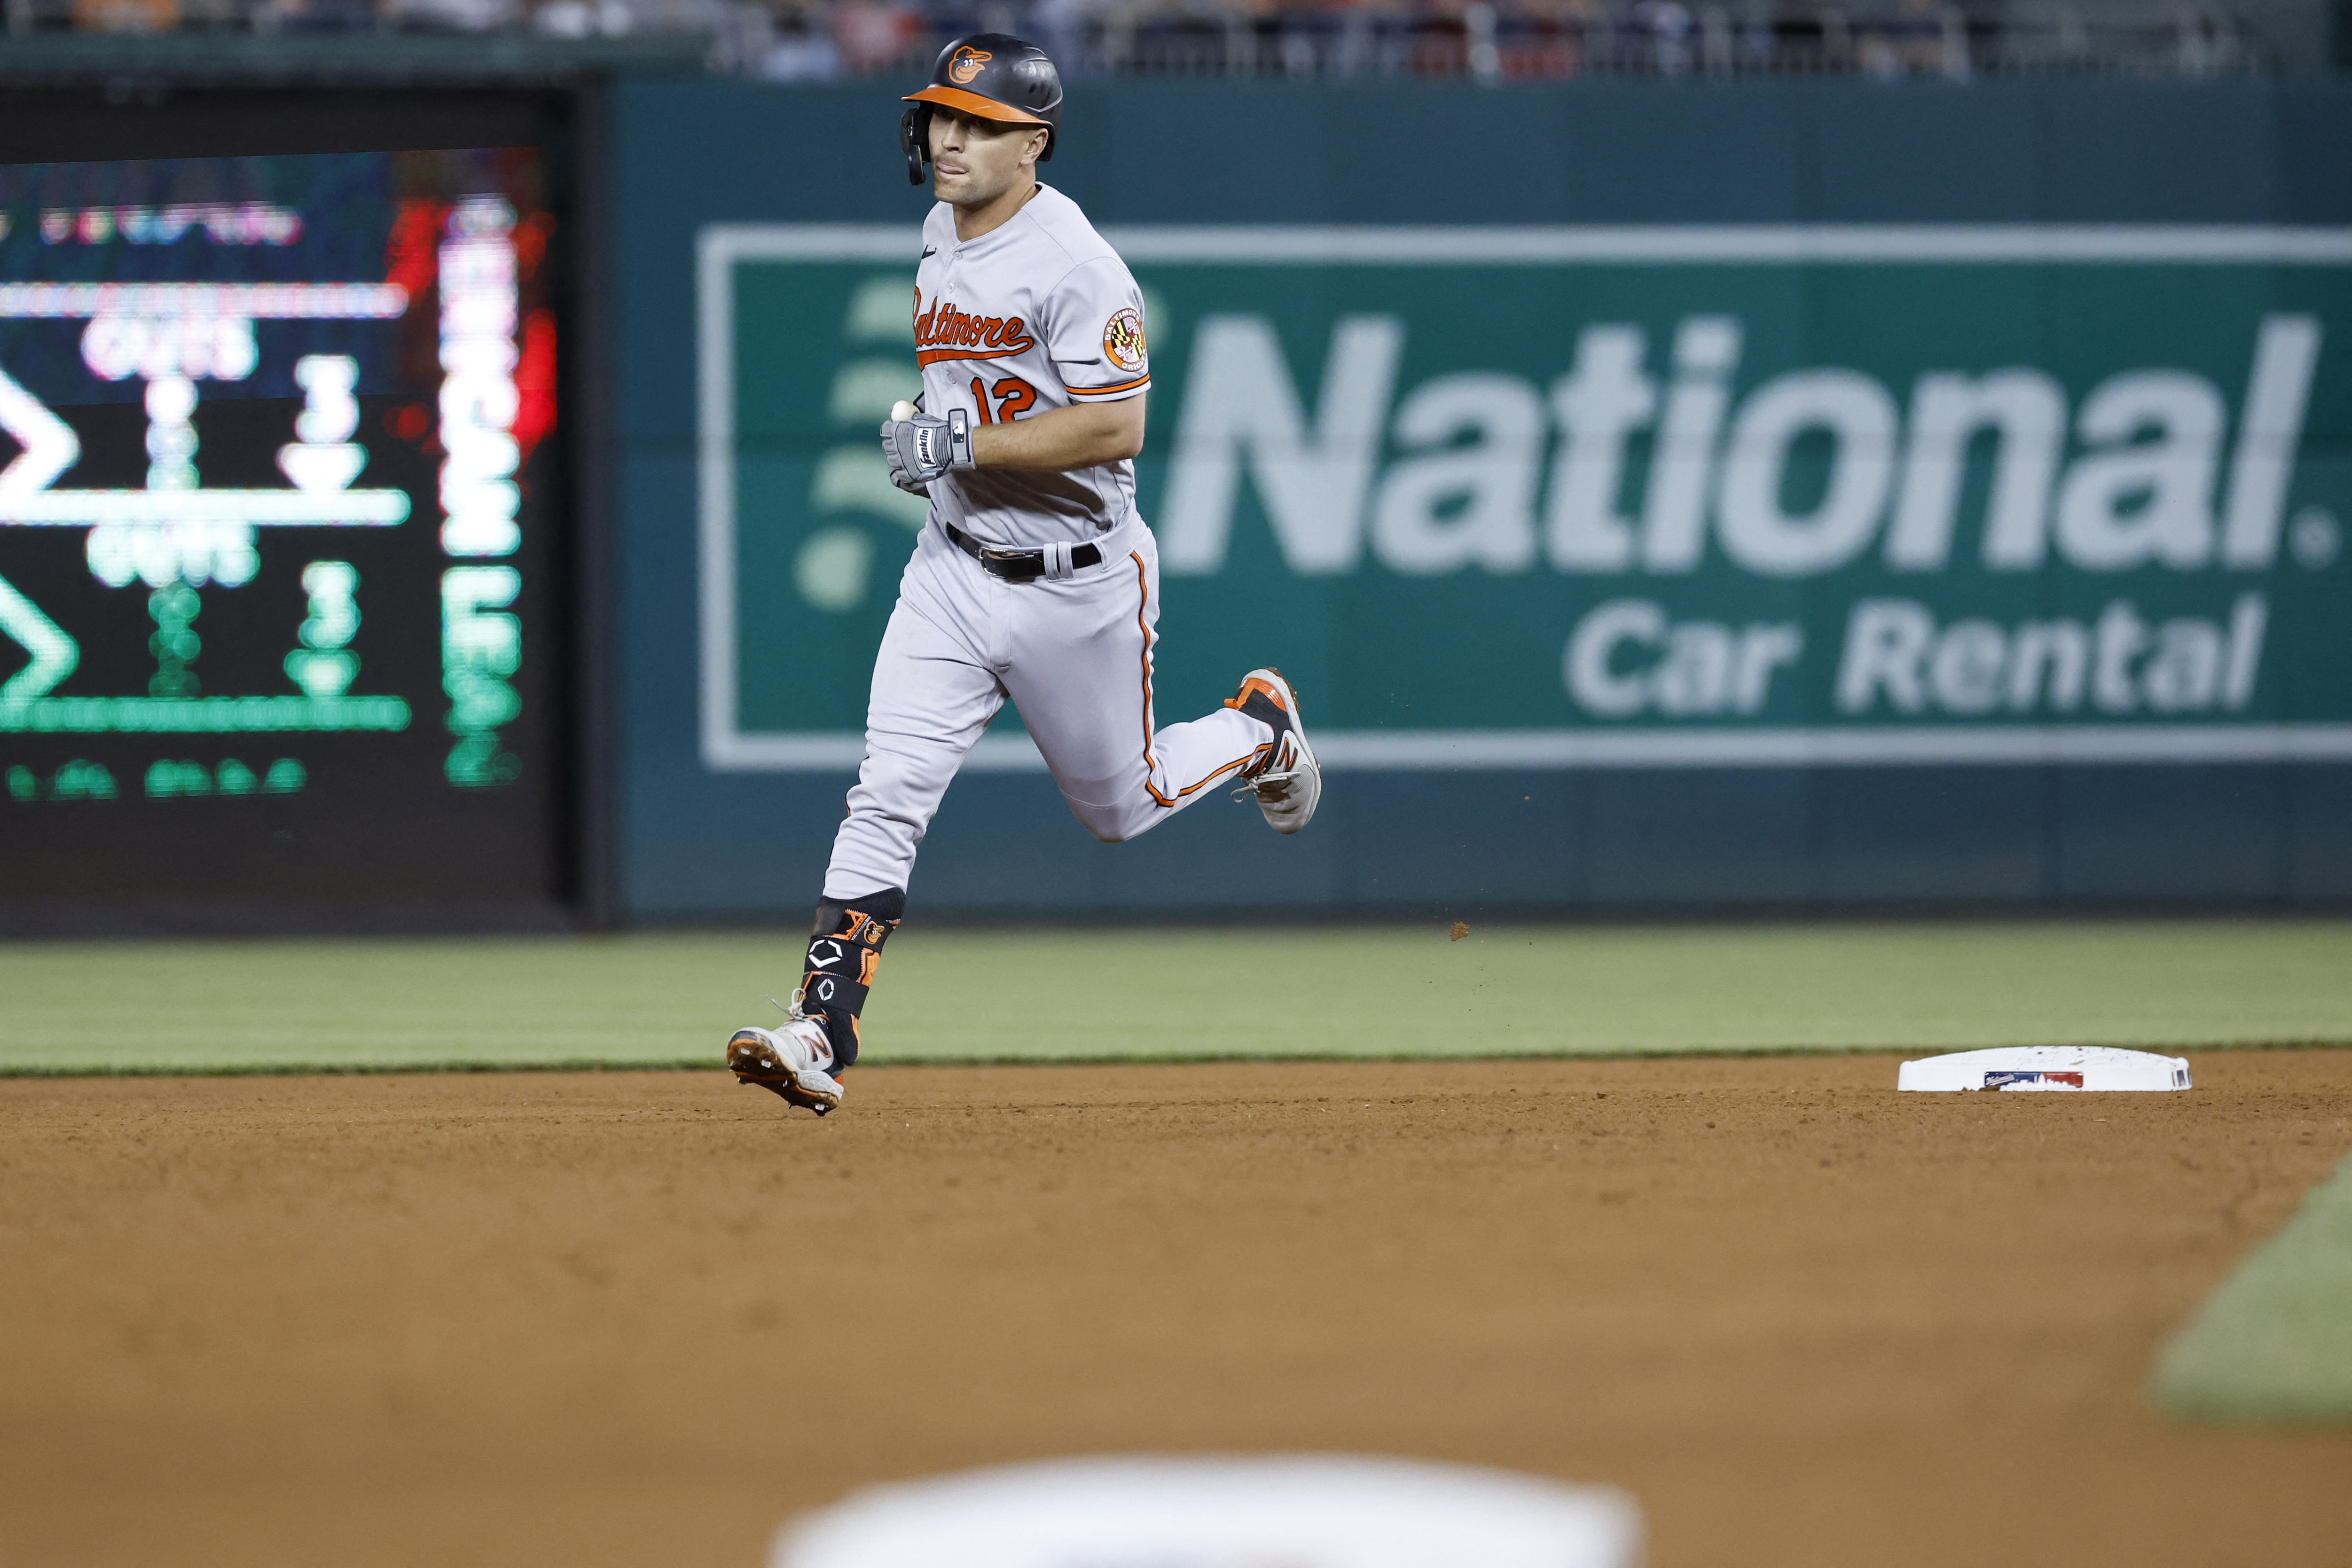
(2275, 1342)
(671, 999)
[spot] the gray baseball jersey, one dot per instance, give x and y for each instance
(1037, 313)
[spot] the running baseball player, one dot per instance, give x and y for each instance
(1034, 578)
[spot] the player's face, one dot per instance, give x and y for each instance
(973, 161)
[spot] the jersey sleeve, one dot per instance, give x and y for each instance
(1095, 339)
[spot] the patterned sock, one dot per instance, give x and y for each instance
(843, 956)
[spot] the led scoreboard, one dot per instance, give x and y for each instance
(275, 478)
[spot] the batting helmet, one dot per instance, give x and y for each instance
(989, 76)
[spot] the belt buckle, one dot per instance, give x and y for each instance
(1013, 565)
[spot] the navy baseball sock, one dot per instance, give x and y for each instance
(843, 956)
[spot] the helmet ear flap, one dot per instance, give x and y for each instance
(915, 141)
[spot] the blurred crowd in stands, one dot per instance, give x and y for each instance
(1483, 40)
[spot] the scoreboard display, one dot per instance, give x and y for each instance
(276, 484)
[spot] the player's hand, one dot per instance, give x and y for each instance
(898, 476)
(900, 412)
(920, 448)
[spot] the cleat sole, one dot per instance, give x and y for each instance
(754, 1061)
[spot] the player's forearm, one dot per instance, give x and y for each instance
(1080, 437)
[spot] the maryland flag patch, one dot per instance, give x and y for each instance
(1123, 340)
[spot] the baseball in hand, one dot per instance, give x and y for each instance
(902, 409)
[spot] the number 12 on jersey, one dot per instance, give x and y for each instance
(1014, 396)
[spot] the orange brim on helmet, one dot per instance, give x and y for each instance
(972, 103)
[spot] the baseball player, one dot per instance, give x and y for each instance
(1034, 577)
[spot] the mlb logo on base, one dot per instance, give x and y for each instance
(2040, 1068)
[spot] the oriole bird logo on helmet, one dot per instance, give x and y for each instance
(984, 76)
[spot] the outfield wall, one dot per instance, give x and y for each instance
(1665, 496)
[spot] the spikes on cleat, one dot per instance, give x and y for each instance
(753, 1056)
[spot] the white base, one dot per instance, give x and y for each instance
(1323, 1510)
(2030, 1068)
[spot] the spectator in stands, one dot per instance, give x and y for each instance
(1672, 32)
(126, 15)
(802, 49)
(872, 35)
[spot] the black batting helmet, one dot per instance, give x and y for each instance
(989, 76)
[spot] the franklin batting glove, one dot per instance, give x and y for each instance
(922, 449)
(898, 476)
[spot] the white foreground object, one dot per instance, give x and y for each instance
(2037, 1068)
(1297, 1510)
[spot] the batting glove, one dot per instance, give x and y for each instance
(922, 448)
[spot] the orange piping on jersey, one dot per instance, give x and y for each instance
(1107, 390)
(934, 356)
(1143, 603)
(1237, 763)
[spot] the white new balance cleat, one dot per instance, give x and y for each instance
(1288, 782)
(791, 1062)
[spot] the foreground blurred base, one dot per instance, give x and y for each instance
(1299, 1511)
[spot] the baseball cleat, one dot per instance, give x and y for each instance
(787, 1060)
(1289, 781)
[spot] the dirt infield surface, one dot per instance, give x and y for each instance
(641, 1318)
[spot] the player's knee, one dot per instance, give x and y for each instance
(1108, 829)
(1109, 824)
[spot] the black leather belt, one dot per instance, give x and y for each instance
(1015, 565)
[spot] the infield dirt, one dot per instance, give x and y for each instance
(643, 1318)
